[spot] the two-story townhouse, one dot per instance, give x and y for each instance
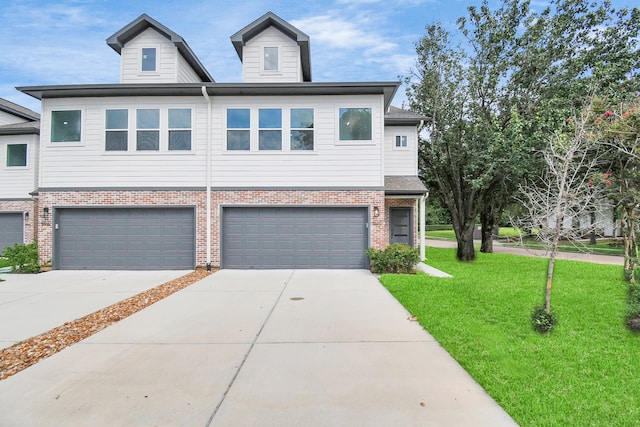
(170, 169)
(19, 129)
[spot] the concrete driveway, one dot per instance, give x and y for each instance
(256, 348)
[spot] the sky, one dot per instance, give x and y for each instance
(60, 42)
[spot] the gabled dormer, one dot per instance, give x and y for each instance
(273, 51)
(152, 53)
(11, 113)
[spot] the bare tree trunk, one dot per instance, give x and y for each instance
(630, 248)
(466, 250)
(550, 269)
(487, 222)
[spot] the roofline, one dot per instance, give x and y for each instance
(31, 130)
(19, 110)
(388, 89)
(144, 21)
(394, 121)
(405, 192)
(269, 19)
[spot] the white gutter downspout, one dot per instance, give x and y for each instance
(422, 226)
(208, 183)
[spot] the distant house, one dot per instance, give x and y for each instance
(169, 169)
(19, 130)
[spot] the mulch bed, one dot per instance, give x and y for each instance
(28, 352)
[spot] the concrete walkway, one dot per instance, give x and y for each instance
(256, 348)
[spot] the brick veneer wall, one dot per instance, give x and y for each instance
(404, 203)
(23, 206)
(378, 230)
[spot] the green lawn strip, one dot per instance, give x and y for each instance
(4, 263)
(585, 373)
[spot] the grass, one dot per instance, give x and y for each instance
(4, 263)
(585, 373)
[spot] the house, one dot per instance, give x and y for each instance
(169, 169)
(19, 129)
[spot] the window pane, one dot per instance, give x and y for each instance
(180, 118)
(117, 119)
(148, 119)
(116, 140)
(355, 124)
(17, 155)
(270, 140)
(238, 118)
(148, 140)
(179, 140)
(148, 59)
(270, 118)
(302, 140)
(302, 118)
(238, 140)
(401, 141)
(65, 126)
(271, 59)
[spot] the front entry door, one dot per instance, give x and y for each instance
(401, 226)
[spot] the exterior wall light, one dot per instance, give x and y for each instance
(376, 212)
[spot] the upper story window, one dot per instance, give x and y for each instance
(238, 129)
(148, 59)
(271, 59)
(65, 126)
(179, 129)
(270, 129)
(301, 129)
(148, 129)
(401, 142)
(116, 130)
(16, 155)
(355, 124)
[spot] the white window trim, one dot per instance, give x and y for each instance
(49, 118)
(5, 157)
(148, 73)
(395, 147)
(270, 72)
(360, 142)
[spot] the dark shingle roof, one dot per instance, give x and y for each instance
(404, 186)
(24, 128)
(270, 19)
(398, 117)
(144, 21)
(18, 110)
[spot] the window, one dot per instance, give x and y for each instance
(65, 126)
(17, 155)
(270, 59)
(116, 130)
(148, 125)
(355, 124)
(270, 129)
(148, 59)
(179, 129)
(401, 141)
(238, 129)
(301, 129)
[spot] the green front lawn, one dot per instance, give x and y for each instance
(585, 373)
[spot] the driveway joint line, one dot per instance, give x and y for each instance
(246, 356)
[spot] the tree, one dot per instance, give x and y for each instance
(515, 64)
(565, 193)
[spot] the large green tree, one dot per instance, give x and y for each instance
(495, 99)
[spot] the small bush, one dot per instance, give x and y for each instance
(23, 258)
(395, 258)
(542, 321)
(633, 306)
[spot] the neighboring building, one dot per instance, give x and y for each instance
(19, 129)
(169, 169)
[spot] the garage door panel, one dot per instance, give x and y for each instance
(294, 237)
(125, 238)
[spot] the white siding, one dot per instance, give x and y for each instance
(400, 161)
(7, 118)
(331, 164)
(18, 182)
(166, 59)
(290, 65)
(87, 164)
(185, 72)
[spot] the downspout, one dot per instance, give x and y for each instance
(208, 174)
(422, 226)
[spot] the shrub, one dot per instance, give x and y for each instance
(633, 306)
(23, 258)
(542, 321)
(395, 258)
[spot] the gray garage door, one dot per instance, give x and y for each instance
(124, 238)
(294, 237)
(11, 229)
